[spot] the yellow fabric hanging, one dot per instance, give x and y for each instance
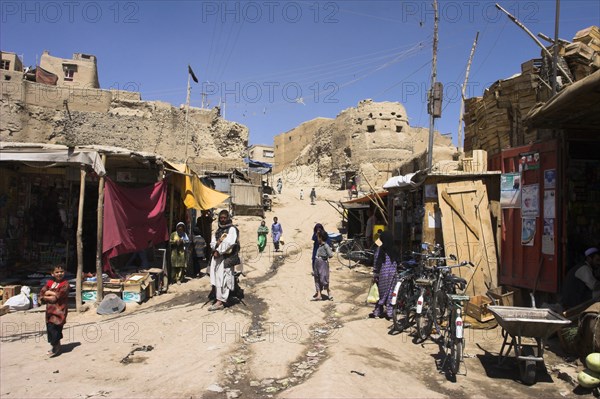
(196, 195)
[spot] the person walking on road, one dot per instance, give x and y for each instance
(321, 268)
(262, 232)
(276, 232)
(313, 196)
(386, 258)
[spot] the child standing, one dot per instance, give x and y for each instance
(55, 294)
(321, 267)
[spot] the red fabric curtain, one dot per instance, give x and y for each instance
(133, 218)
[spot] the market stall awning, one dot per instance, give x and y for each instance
(574, 107)
(195, 195)
(411, 180)
(49, 155)
(367, 198)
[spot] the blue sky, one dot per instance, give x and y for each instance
(276, 64)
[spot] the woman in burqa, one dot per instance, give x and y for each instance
(386, 261)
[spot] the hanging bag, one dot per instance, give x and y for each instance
(373, 296)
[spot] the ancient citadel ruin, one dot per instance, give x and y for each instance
(74, 111)
(373, 139)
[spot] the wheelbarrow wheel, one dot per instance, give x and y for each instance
(527, 368)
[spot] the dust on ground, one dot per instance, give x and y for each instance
(276, 343)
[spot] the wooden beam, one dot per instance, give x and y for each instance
(455, 208)
(80, 240)
(100, 236)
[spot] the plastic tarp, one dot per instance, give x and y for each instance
(258, 167)
(411, 180)
(48, 155)
(196, 195)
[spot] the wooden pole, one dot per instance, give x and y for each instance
(100, 236)
(79, 239)
(462, 99)
(433, 79)
(535, 39)
(555, 52)
(69, 225)
(383, 212)
(187, 110)
(168, 271)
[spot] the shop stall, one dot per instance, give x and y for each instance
(458, 210)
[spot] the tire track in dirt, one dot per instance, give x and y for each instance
(238, 380)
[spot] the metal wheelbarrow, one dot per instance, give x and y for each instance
(526, 322)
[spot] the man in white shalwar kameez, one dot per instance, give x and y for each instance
(225, 246)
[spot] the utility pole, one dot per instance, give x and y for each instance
(187, 110)
(555, 52)
(544, 49)
(462, 101)
(431, 90)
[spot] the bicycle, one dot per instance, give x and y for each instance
(453, 337)
(429, 284)
(405, 294)
(432, 305)
(354, 251)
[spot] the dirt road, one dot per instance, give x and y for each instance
(277, 343)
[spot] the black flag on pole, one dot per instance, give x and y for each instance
(192, 73)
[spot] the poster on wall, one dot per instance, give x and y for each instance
(528, 232)
(549, 204)
(550, 178)
(431, 191)
(529, 161)
(510, 190)
(548, 237)
(530, 200)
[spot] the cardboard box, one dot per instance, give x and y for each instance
(137, 282)
(502, 296)
(10, 291)
(139, 296)
(88, 285)
(477, 308)
(4, 309)
(89, 296)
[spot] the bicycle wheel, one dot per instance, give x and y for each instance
(424, 320)
(440, 308)
(456, 355)
(401, 310)
(351, 253)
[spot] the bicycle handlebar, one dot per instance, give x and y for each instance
(461, 264)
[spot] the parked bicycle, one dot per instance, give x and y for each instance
(453, 338)
(354, 251)
(432, 304)
(405, 294)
